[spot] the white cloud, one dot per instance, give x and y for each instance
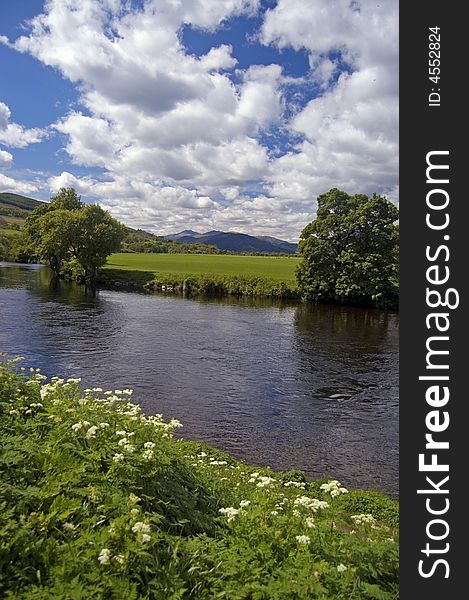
(180, 141)
(350, 131)
(14, 135)
(8, 184)
(6, 159)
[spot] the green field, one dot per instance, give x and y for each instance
(277, 268)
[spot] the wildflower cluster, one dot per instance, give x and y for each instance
(113, 496)
(334, 488)
(363, 519)
(312, 504)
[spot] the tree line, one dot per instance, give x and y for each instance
(350, 251)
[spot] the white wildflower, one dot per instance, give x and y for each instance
(334, 488)
(310, 503)
(202, 454)
(46, 390)
(104, 556)
(363, 519)
(341, 568)
(310, 522)
(121, 433)
(145, 537)
(265, 481)
(77, 426)
(244, 503)
(297, 484)
(104, 425)
(147, 454)
(149, 445)
(230, 512)
(303, 539)
(141, 527)
(119, 558)
(134, 511)
(91, 433)
(118, 457)
(274, 513)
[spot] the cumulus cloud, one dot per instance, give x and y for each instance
(180, 140)
(6, 159)
(350, 129)
(8, 184)
(14, 135)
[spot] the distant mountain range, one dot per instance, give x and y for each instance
(236, 242)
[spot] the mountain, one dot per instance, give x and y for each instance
(236, 242)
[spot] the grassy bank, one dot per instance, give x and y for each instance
(99, 501)
(204, 274)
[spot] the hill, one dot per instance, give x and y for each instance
(15, 208)
(235, 242)
(18, 201)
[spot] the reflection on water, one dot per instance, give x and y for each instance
(288, 385)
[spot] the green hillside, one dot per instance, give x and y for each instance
(8, 199)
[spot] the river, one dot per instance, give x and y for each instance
(283, 384)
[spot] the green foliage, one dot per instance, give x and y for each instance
(350, 251)
(228, 285)
(99, 501)
(69, 231)
(12, 244)
(136, 242)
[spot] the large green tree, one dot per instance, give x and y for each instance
(68, 231)
(351, 251)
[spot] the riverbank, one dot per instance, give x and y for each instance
(100, 500)
(207, 275)
(195, 285)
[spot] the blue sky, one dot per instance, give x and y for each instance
(199, 114)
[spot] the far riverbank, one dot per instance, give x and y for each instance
(206, 275)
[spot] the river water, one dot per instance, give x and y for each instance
(288, 385)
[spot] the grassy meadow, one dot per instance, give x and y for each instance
(279, 268)
(101, 501)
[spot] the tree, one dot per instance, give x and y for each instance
(66, 230)
(351, 251)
